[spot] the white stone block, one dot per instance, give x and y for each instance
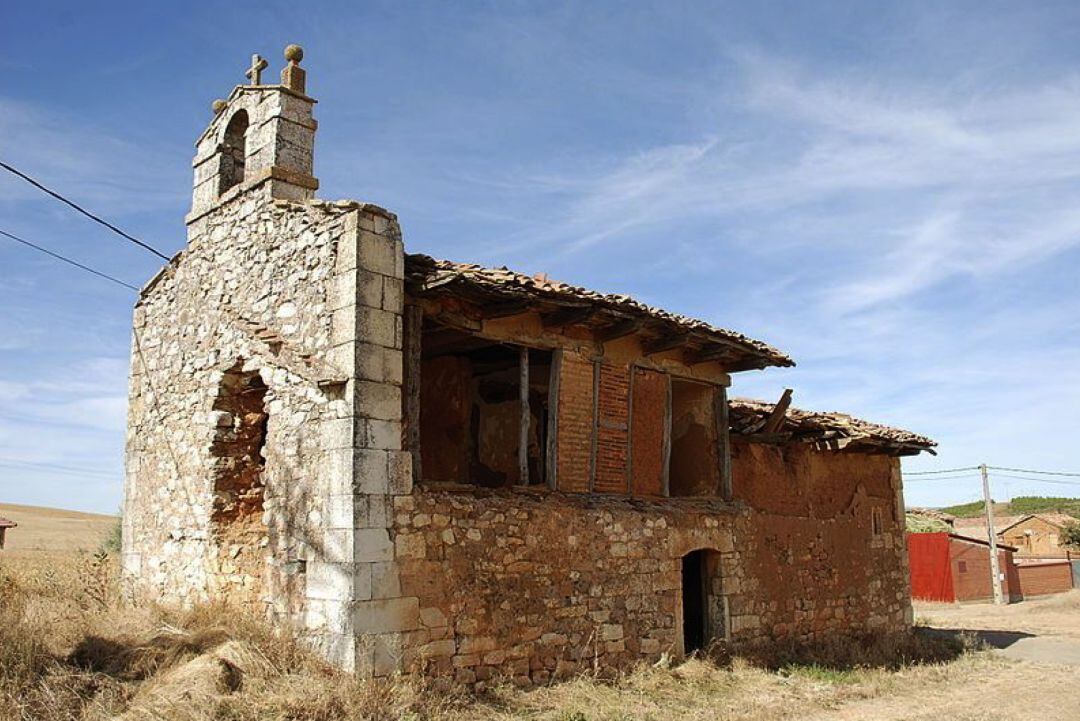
(373, 545)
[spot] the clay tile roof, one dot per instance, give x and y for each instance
(827, 429)
(979, 522)
(5, 523)
(427, 276)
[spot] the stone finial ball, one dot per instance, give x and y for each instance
(294, 53)
(218, 105)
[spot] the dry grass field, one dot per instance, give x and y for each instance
(52, 530)
(69, 650)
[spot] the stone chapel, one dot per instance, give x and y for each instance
(433, 467)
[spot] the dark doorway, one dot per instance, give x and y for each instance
(694, 593)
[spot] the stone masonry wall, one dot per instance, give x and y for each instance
(309, 297)
(534, 585)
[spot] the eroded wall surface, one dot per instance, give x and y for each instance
(535, 584)
(307, 298)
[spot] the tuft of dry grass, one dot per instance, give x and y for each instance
(70, 651)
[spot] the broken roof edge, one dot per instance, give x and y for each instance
(429, 276)
(828, 430)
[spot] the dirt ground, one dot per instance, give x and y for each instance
(1057, 615)
(53, 605)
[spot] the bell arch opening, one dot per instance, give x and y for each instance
(236, 518)
(704, 607)
(233, 152)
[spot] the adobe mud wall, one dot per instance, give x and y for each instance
(533, 584)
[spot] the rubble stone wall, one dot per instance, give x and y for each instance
(534, 585)
(308, 296)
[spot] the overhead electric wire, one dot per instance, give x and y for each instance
(1039, 473)
(962, 476)
(947, 470)
(79, 208)
(69, 261)
(1036, 480)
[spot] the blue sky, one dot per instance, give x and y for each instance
(885, 191)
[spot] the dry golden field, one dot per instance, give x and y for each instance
(70, 650)
(53, 530)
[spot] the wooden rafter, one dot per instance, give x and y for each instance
(664, 343)
(572, 315)
(775, 421)
(619, 329)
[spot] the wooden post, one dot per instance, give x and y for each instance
(995, 569)
(413, 324)
(666, 479)
(723, 440)
(553, 420)
(595, 424)
(526, 418)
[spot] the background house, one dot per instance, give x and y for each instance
(951, 567)
(5, 524)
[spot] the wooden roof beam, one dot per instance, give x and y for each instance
(504, 309)
(571, 315)
(776, 419)
(664, 343)
(619, 329)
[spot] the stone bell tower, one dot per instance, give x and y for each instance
(262, 139)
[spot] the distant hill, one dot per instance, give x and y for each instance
(1019, 506)
(50, 530)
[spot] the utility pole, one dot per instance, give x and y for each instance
(995, 568)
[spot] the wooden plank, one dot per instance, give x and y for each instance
(526, 418)
(776, 419)
(413, 324)
(723, 440)
(553, 420)
(667, 441)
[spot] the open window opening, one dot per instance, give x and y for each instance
(237, 513)
(483, 402)
(693, 466)
(233, 152)
(703, 605)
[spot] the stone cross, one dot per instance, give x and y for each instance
(258, 64)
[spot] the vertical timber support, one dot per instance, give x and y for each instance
(413, 325)
(595, 442)
(526, 417)
(723, 440)
(552, 449)
(666, 452)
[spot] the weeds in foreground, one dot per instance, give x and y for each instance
(69, 651)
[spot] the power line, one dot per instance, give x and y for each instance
(69, 261)
(947, 470)
(962, 476)
(82, 210)
(33, 465)
(1037, 480)
(1039, 473)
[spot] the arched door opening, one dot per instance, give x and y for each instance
(702, 600)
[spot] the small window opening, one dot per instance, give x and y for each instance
(704, 610)
(961, 566)
(694, 468)
(471, 417)
(875, 521)
(236, 516)
(233, 152)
